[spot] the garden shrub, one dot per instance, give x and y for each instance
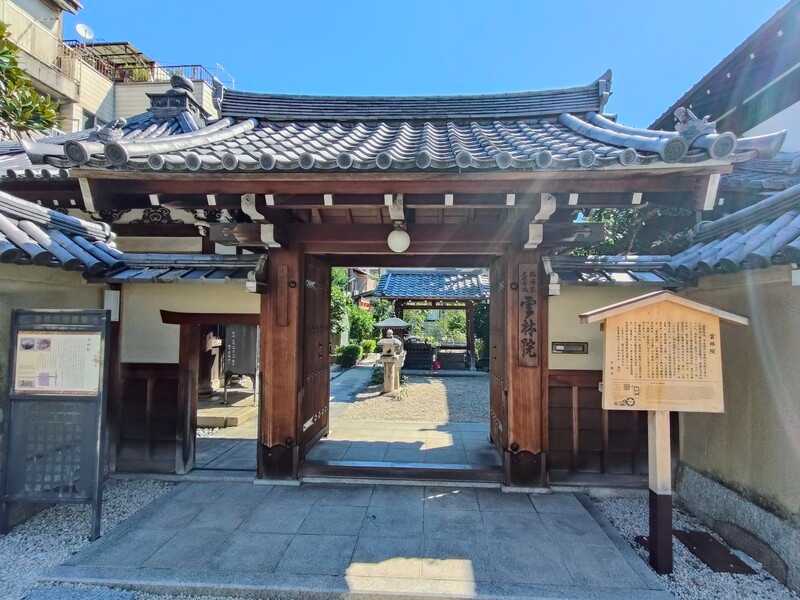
(348, 356)
(368, 346)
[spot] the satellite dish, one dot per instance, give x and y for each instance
(85, 32)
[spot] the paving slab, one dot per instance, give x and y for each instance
(385, 542)
(318, 554)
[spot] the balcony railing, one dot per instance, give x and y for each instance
(38, 41)
(162, 73)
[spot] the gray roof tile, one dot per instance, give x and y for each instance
(558, 129)
(434, 285)
(757, 236)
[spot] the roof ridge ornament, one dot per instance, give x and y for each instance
(604, 87)
(217, 94)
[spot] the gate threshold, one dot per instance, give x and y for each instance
(331, 470)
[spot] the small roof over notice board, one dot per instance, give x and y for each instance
(662, 352)
(601, 314)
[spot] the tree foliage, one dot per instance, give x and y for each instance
(362, 324)
(22, 108)
(382, 309)
(641, 230)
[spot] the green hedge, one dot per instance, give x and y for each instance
(348, 356)
(368, 346)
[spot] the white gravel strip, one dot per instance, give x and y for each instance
(691, 578)
(58, 532)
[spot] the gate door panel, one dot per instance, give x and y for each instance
(315, 390)
(498, 396)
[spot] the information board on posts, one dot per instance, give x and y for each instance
(663, 357)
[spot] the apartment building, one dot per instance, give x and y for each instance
(94, 82)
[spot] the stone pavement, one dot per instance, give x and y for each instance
(402, 442)
(377, 541)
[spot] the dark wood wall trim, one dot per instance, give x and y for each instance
(148, 417)
(179, 318)
(585, 438)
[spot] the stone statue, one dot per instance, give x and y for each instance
(392, 359)
(390, 345)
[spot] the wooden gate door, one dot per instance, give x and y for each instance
(315, 390)
(498, 390)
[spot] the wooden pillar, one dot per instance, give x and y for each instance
(660, 480)
(115, 404)
(281, 364)
(526, 368)
(186, 422)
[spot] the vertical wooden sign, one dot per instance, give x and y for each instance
(662, 353)
(527, 323)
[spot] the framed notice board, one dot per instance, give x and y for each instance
(663, 357)
(53, 419)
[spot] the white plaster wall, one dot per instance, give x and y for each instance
(145, 339)
(96, 92)
(789, 119)
(564, 325)
(159, 244)
(754, 447)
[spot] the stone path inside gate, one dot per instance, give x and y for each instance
(327, 540)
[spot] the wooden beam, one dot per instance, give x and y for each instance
(412, 260)
(87, 195)
(666, 179)
(181, 318)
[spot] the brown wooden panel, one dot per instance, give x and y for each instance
(315, 393)
(148, 410)
(590, 439)
(525, 414)
(498, 409)
(281, 362)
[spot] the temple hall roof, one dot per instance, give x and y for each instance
(562, 129)
(434, 285)
(757, 236)
(761, 176)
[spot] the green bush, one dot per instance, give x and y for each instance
(368, 346)
(348, 356)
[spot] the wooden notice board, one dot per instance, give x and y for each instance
(663, 356)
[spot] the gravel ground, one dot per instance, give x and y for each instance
(422, 398)
(56, 533)
(691, 579)
(204, 432)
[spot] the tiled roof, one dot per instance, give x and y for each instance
(184, 268)
(434, 285)
(759, 235)
(556, 130)
(764, 175)
(611, 270)
(33, 235)
(279, 107)
(30, 234)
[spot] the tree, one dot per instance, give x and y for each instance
(382, 309)
(340, 301)
(22, 108)
(362, 324)
(416, 321)
(641, 230)
(480, 317)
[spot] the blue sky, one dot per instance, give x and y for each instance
(657, 49)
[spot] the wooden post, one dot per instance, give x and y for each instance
(660, 475)
(188, 368)
(281, 357)
(526, 367)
